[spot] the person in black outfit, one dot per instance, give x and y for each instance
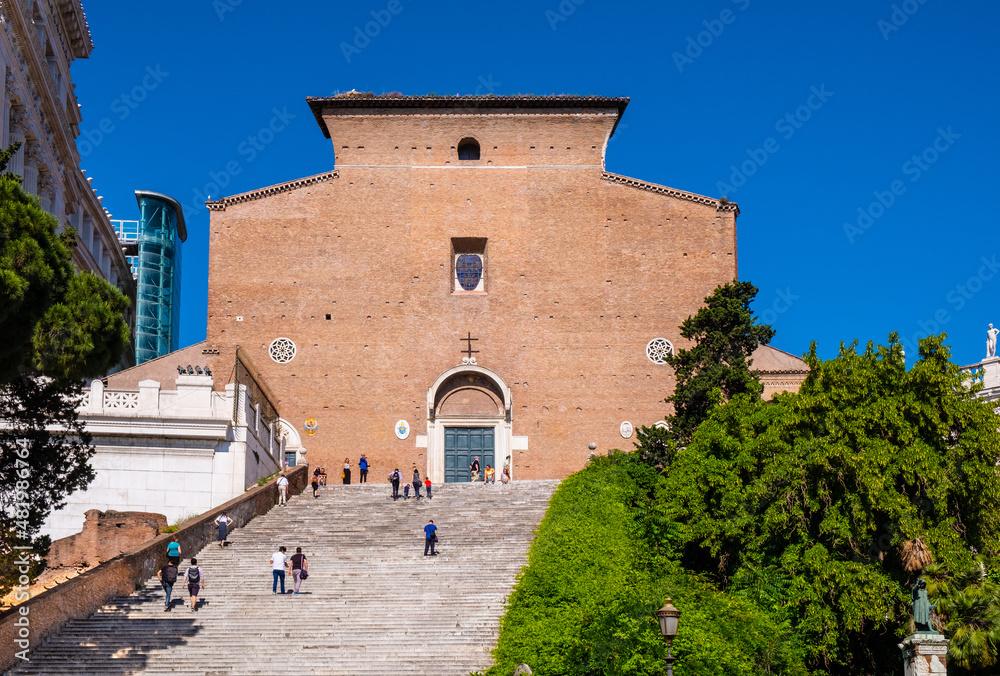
(430, 538)
(416, 482)
(394, 478)
(474, 470)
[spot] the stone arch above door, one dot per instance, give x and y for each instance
(469, 391)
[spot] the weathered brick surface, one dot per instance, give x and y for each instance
(105, 535)
(581, 273)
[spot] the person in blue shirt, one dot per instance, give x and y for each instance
(363, 466)
(174, 552)
(430, 537)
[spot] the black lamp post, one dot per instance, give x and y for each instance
(669, 617)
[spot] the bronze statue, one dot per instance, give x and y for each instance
(922, 608)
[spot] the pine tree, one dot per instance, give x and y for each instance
(717, 368)
(53, 319)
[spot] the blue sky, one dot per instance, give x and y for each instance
(857, 137)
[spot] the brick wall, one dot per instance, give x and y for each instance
(582, 271)
(105, 535)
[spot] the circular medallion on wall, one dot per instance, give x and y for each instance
(626, 429)
(311, 426)
(658, 349)
(402, 429)
(282, 350)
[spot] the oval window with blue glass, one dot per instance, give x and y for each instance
(469, 270)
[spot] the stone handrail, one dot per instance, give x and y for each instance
(84, 595)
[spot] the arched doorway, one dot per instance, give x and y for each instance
(468, 415)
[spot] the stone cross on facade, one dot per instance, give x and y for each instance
(468, 351)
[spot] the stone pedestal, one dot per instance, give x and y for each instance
(925, 654)
(991, 372)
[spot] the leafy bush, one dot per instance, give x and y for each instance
(597, 571)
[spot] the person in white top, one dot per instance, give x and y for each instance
(278, 564)
(282, 489)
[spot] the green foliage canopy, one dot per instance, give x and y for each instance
(822, 487)
(65, 324)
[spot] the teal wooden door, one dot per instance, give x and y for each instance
(461, 445)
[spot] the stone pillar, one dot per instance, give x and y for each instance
(194, 395)
(149, 397)
(95, 404)
(925, 654)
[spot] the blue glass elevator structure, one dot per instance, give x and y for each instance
(158, 284)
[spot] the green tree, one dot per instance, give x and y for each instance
(717, 367)
(818, 491)
(53, 319)
(44, 456)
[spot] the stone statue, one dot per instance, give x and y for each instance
(991, 341)
(922, 608)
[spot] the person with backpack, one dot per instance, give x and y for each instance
(363, 467)
(195, 578)
(474, 470)
(394, 478)
(416, 482)
(315, 484)
(430, 538)
(300, 568)
(167, 576)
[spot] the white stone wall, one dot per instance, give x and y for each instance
(174, 452)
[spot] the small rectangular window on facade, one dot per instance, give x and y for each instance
(468, 265)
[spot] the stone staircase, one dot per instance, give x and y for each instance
(373, 604)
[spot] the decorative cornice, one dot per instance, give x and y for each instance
(220, 205)
(75, 19)
(368, 101)
(680, 194)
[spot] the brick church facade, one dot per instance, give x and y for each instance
(468, 280)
